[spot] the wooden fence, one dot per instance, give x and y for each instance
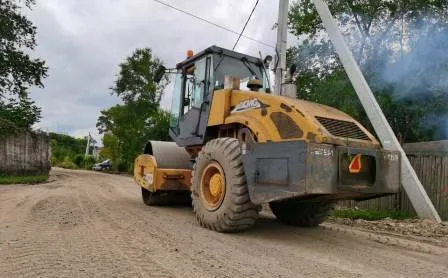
(430, 161)
(25, 154)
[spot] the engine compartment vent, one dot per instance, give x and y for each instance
(343, 129)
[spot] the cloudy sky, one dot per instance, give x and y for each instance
(83, 42)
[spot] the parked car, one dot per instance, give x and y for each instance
(105, 165)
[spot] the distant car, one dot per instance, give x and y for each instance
(105, 165)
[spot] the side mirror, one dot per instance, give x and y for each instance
(160, 72)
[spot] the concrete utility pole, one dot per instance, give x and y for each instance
(412, 185)
(282, 34)
(88, 146)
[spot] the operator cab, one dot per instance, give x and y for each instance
(197, 78)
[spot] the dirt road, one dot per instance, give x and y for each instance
(85, 224)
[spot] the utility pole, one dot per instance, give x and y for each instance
(412, 185)
(88, 146)
(282, 34)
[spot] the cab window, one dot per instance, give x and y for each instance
(176, 100)
(197, 83)
(192, 85)
(238, 68)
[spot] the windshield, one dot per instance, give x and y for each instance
(243, 69)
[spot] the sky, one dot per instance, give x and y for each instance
(83, 42)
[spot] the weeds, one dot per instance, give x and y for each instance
(23, 180)
(370, 215)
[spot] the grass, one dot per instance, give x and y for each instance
(370, 215)
(23, 180)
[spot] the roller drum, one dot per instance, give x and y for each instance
(168, 155)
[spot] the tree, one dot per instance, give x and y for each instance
(111, 149)
(64, 147)
(133, 124)
(139, 118)
(400, 46)
(136, 79)
(18, 71)
(22, 112)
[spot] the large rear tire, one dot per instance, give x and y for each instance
(301, 214)
(220, 195)
(165, 198)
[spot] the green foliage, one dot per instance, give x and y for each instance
(133, 125)
(139, 119)
(18, 71)
(78, 160)
(67, 164)
(370, 215)
(124, 166)
(64, 147)
(111, 149)
(401, 48)
(23, 179)
(21, 114)
(88, 162)
(135, 81)
(68, 152)
(8, 128)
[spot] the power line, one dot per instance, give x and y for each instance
(245, 25)
(214, 24)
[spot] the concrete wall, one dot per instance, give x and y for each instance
(25, 154)
(430, 162)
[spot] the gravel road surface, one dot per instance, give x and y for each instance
(85, 224)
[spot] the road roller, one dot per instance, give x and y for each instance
(236, 147)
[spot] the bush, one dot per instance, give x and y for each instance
(78, 160)
(88, 162)
(64, 145)
(67, 164)
(54, 161)
(123, 166)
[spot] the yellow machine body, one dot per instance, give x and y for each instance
(278, 119)
(150, 176)
(252, 115)
(294, 120)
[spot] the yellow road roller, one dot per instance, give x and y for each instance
(236, 146)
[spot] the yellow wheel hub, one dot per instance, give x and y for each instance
(216, 185)
(213, 186)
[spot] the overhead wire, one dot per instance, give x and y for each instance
(245, 25)
(240, 34)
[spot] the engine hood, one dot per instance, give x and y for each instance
(339, 127)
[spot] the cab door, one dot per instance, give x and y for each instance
(189, 111)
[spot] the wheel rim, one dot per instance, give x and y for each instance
(213, 186)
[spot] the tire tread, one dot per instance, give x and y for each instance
(240, 213)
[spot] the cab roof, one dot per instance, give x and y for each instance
(220, 51)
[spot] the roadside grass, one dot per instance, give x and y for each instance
(23, 180)
(370, 215)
